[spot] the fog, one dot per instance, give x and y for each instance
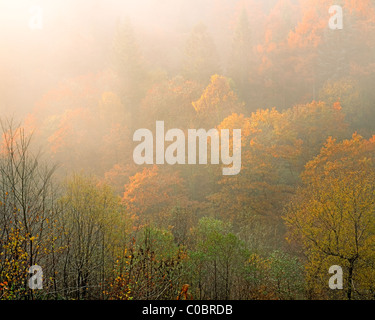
(109, 197)
(77, 39)
(281, 55)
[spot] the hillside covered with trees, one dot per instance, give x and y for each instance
(73, 201)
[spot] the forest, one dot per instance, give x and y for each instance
(101, 227)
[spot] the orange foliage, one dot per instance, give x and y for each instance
(153, 193)
(217, 101)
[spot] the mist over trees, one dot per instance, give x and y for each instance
(73, 201)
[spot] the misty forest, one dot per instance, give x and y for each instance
(101, 227)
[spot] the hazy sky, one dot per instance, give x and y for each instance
(77, 36)
(32, 59)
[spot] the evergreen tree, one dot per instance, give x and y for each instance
(337, 52)
(129, 64)
(201, 59)
(240, 65)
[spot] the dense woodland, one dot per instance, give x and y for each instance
(73, 201)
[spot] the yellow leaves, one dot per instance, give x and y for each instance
(354, 153)
(256, 259)
(236, 121)
(13, 263)
(218, 100)
(333, 215)
(120, 286)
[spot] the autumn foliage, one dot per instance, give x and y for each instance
(73, 201)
